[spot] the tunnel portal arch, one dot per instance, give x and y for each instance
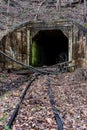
(49, 47)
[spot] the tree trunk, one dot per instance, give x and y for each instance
(85, 11)
(58, 5)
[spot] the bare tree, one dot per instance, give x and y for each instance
(58, 5)
(7, 19)
(85, 19)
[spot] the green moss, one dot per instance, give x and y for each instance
(3, 117)
(85, 25)
(7, 128)
(35, 55)
(36, 108)
(71, 69)
(3, 76)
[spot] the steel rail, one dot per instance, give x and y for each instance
(15, 112)
(55, 111)
(51, 97)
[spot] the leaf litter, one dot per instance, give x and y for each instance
(35, 113)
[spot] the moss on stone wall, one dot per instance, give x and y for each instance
(35, 55)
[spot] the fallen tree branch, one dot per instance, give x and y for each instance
(27, 66)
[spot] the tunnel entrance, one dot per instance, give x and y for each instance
(49, 47)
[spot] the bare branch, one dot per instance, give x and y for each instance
(58, 5)
(36, 16)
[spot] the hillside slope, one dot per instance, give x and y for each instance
(16, 12)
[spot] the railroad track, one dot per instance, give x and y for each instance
(34, 100)
(38, 104)
(39, 107)
(15, 112)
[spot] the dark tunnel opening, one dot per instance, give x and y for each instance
(51, 47)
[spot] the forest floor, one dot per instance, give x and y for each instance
(35, 113)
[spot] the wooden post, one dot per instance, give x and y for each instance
(22, 45)
(70, 45)
(75, 38)
(28, 46)
(85, 50)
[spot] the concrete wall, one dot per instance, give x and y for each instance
(79, 47)
(21, 39)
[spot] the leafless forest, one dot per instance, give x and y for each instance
(15, 12)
